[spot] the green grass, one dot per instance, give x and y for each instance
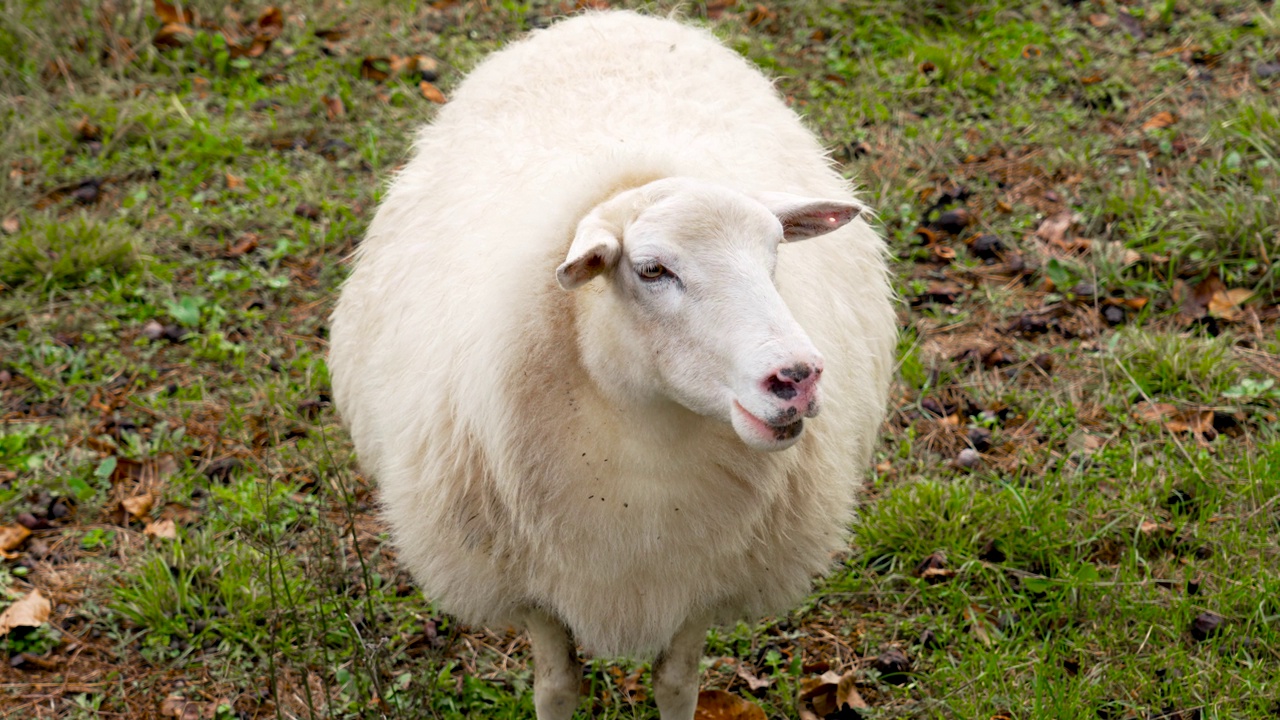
(175, 225)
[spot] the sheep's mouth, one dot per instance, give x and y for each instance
(764, 435)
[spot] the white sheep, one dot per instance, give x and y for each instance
(571, 339)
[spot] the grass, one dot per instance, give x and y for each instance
(1081, 461)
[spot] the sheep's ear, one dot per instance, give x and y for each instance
(595, 249)
(803, 218)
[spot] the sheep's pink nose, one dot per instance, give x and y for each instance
(795, 383)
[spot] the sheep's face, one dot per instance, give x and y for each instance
(691, 313)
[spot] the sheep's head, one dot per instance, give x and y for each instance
(690, 311)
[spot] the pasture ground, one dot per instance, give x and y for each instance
(1074, 509)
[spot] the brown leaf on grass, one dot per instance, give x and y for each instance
(333, 107)
(333, 34)
(431, 92)
(10, 225)
(760, 14)
(755, 684)
(245, 245)
(829, 695)
(1198, 422)
(11, 538)
(162, 529)
(181, 708)
(1099, 20)
(894, 666)
(1209, 298)
(979, 625)
(1131, 24)
(1226, 304)
(1162, 119)
(87, 131)
(1153, 412)
(172, 35)
(270, 23)
(375, 68)
(234, 182)
(30, 611)
(720, 705)
(253, 41)
(1053, 229)
(382, 67)
(170, 14)
(139, 505)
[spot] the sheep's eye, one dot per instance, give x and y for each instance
(651, 271)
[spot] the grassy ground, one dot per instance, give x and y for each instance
(1074, 511)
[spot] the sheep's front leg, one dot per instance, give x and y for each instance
(557, 672)
(675, 672)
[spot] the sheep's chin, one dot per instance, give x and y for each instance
(759, 435)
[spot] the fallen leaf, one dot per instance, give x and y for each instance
(163, 529)
(179, 707)
(754, 683)
(431, 92)
(333, 107)
(1206, 625)
(829, 695)
(1131, 24)
(1160, 120)
(760, 14)
(893, 666)
(245, 245)
(1099, 20)
(1226, 304)
(86, 131)
(10, 225)
(1054, 228)
(270, 23)
(1153, 412)
(170, 14)
(30, 611)
(234, 182)
(720, 705)
(172, 35)
(375, 68)
(978, 624)
(1199, 422)
(333, 34)
(138, 505)
(12, 537)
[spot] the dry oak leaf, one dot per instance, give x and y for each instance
(754, 683)
(1162, 119)
(170, 14)
(139, 505)
(162, 529)
(828, 695)
(12, 537)
(1199, 422)
(431, 92)
(1054, 228)
(30, 611)
(1153, 412)
(179, 707)
(333, 107)
(720, 705)
(1226, 304)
